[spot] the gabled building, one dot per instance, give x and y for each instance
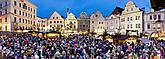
(113, 21)
(71, 24)
(83, 23)
(97, 23)
(56, 22)
(154, 21)
(131, 19)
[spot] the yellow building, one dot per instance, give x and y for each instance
(56, 22)
(71, 24)
(17, 15)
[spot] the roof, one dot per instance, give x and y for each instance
(157, 4)
(117, 10)
(158, 21)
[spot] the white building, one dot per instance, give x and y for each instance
(154, 21)
(131, 19)
(97, 23)
(17, 15)
(113, 21)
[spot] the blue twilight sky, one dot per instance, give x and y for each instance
(46, 7)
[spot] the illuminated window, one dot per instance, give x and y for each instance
(5, 19)
(15, 19)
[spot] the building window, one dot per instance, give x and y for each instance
(19, 12)
(0, 6)
(127, 26)
(131, 25)
(19, 4)
(83, 25)
(92, 21)
(96, 15)
(57, 21)
(60, 21)
(138, 17)
(6, 27)
(20, 20)
(29, 8)
(54, 21)
(131, 9)
(148, 26)
(128, 19)
(99, 22)
(15, 19)
(23, 13)
(23, 20)
(123, 20)
(34, 11)
(56, 17)
(138, 25)
(6, 11)
(53, 17)
(102, 22)
(34, 16)
(5, 19)
(26, 21)
(131, 19)
(0, 13)
(15, 11)
(150, 17)
(127, 10)
(159, 17)
(154, 17)
(15, 3)
(24, 6)
(6, 3)
(50, 21)
(0, 20)
(26, 14)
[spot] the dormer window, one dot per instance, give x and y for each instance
(56, 17)
(127, 10)
(96, 15)
(131, 9)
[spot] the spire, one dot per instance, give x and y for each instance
(67, 10)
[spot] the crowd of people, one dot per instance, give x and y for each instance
(25, 46)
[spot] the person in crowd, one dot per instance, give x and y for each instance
(26, 46)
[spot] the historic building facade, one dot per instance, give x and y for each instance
(131, 19)
(56, 22)
(113, 21)
(41, 24)
(71, 24)
(83, 23)
(154, 21)
(17, 15)
(97, 23)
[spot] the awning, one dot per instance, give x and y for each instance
(145, 40)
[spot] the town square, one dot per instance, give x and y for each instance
(82, 29)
